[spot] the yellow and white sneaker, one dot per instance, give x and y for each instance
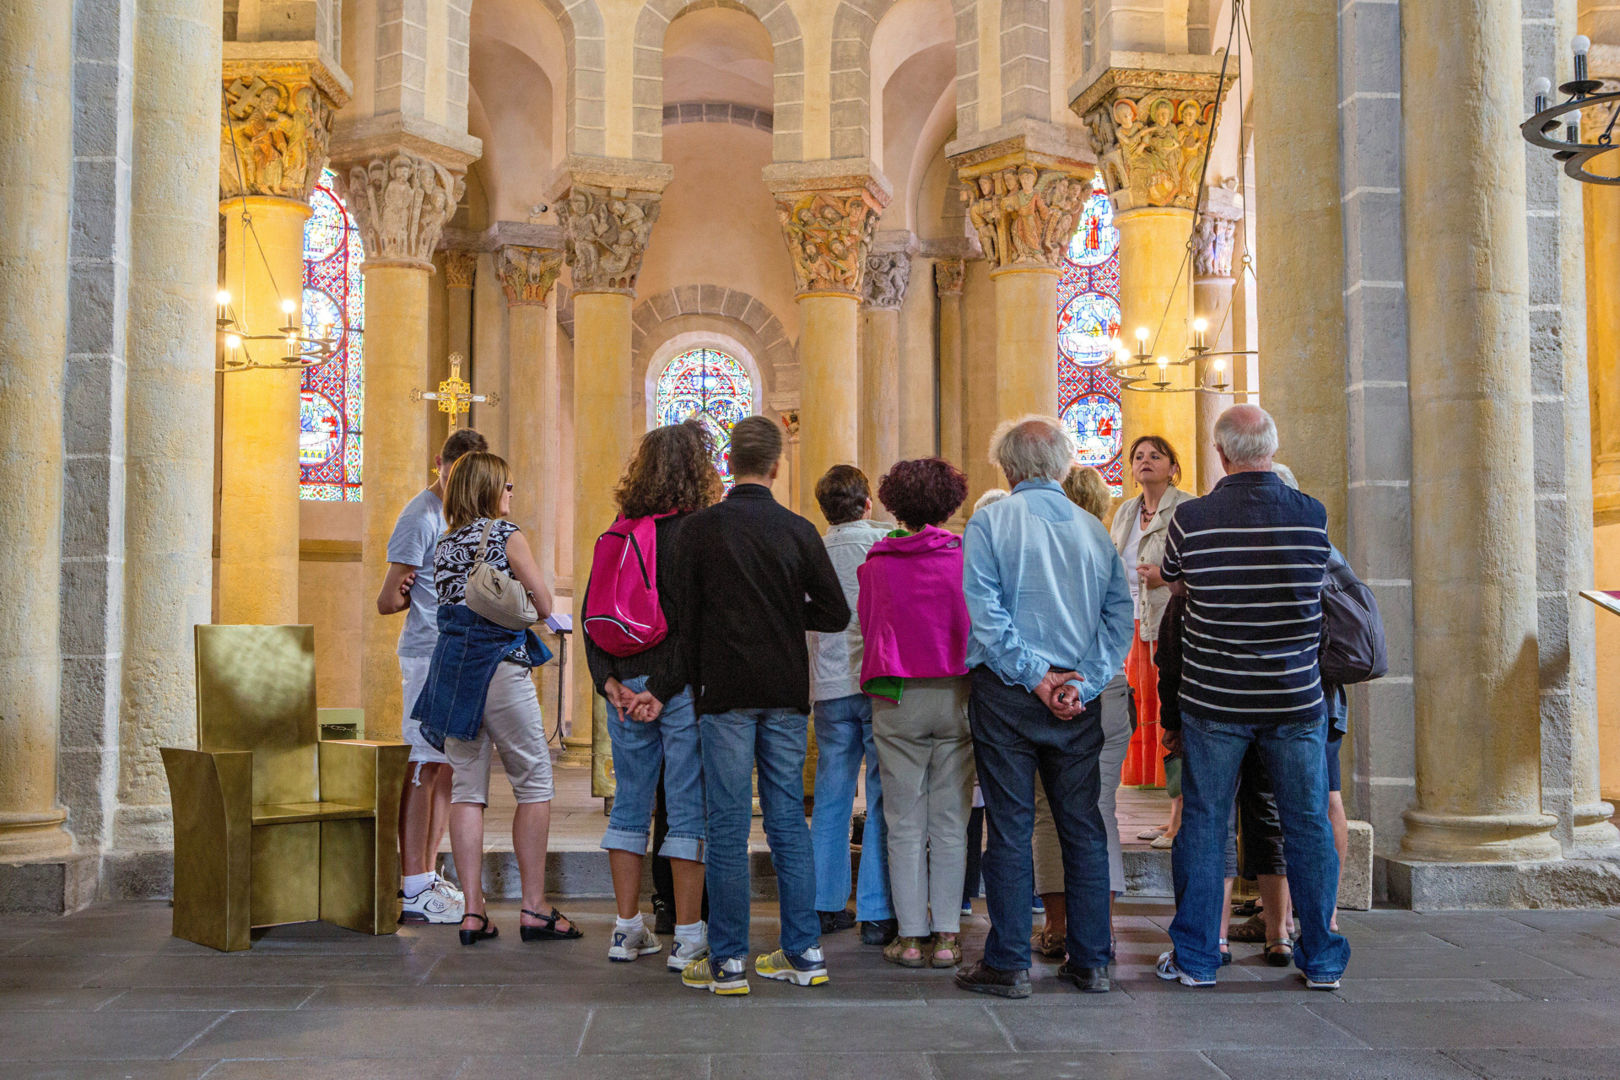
(731, 980)
(807, 969)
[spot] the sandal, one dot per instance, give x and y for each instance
(1048, 948)
(905, 951)
(1153, 833)
(473, 937)
(1280, 953)
(1246, 908)
(1251, 932)
(945, 952)
(547, 930)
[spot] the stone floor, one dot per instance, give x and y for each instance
(108, 994)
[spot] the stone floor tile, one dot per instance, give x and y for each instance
(1450, 963)
(668, 990)
(104, 1036)
(826, 1067)
(1443, 1025)
(260, 969)
(415, 996)
(1194, 1024)
(107, 1070)
(345, 1069)
(1565, 989)
(57, 972)
(1555, 1064)
(1581, 955)
(590, 1067)
(209, 998)
(1284, 1064)
(414, 1033)
(745, 1027)
(1095, 1065)
(1568, 922)
(49, 1000)
(1420, 990)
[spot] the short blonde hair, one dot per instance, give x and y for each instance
(994, 495)
(474, 489)
(1087, 489)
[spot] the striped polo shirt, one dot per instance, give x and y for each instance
(1253, 553)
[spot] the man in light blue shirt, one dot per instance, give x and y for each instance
(1052, 620)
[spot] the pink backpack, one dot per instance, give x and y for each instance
(622, 613)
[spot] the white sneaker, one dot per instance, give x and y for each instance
(681, 954)
(628, 945)
(435, 904)
(448, 888)
(1168, 970)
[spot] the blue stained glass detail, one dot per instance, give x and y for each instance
(1088, 323)
(712, 386)
(331, 402)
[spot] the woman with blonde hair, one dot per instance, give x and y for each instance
(480, 695)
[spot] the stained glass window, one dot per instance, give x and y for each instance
(329, 408)
(1087, 324)
(712, 386)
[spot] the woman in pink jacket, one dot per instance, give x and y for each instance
(915, 625)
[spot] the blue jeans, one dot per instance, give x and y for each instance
(843, 736)
(1016, 739)
(640, 751)
(733, 744)
(1212, 755)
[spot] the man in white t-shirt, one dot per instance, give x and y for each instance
(424, 808)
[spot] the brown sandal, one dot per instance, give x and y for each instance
(944, 951)
(1048, 948)
(895, 952)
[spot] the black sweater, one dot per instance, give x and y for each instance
(665, 663)
(1167, 658)
(755, 577)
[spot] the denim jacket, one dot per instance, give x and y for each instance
(451, 705)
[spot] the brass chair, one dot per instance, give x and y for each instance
(271, 823)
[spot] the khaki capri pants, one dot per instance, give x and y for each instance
(1117, 727)
(513, 723)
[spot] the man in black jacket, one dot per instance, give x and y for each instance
(755, 577)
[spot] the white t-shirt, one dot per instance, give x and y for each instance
(1133, 542)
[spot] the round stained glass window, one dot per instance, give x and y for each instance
(712, 386)
(1087, 327)
(1098, 426)
(320, 429)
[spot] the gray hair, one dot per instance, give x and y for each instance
(1033, 448)
(1285, 474)
(991, 496)
(1247, 435)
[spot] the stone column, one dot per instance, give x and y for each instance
(607, 219)
(827, 220)
(1134, 114)
(528, 274)
(399, 259)
(491, 357)
(980, 412)
(1024, 203)
(1212, 301)
(169, 443)
(1475, 653)
(460, 267)
(887, 273)
(36, 171)
(274, 133)
(919, 368)
(948, 275)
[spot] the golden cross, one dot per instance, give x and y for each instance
(455, 396)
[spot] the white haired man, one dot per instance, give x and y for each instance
(1251, 558)
(1052, 619)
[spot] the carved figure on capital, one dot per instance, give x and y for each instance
(948, 276)
(1212, 251)
(605, 234)
(528, 273)
(459, 268)
(401, 204)
(887, 275)
(1025, 216)
(828, 234)
(1152, 147)
(273, 138)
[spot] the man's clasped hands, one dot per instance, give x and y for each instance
(1059, 691)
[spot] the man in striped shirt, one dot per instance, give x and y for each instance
(1251, 558)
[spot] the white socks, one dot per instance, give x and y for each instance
(413, 884)
(632, 925)
(696, 933)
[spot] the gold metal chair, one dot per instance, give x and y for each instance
(271, 823)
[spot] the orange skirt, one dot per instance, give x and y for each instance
(1144, 760)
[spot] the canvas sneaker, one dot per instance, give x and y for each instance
(1168, 970)
(731, 980)
(809, 968)
(681, 954)
(629, 944)
(1319, 984)
(434, 904)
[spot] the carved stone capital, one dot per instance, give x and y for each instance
(828, 233)
(605, 234)
(1213, 239)
(402, 201)
(1149, 127)
(275, 126)
(459, 267)
(948, 275)
(887, 275)
(528, 273)
(1022, 212)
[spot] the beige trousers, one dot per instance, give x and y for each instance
(1116, 722)
(925, 755)
(512, 722)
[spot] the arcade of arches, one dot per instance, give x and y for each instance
(888, 224)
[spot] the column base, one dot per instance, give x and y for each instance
(573, 754)
(137, 874)
(1594, 835)
(52, 885)
(1479, 838)
(29, 835)
(1558, 883)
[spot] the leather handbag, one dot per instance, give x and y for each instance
(497, 595)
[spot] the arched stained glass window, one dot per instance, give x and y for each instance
(329, 408)
(714, 387)
(1087, 324)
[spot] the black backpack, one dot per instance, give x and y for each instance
(1352, 649)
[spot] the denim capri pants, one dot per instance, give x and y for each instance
(640, 751)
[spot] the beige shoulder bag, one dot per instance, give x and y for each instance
(496, 595)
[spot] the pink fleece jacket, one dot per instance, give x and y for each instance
(913, 618)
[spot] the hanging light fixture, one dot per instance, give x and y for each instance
(1551, 119)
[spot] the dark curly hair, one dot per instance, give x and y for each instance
(672, 469)
(922, 492)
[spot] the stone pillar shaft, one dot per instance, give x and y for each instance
(919, 368)
(528, 274)
(1152, 244)
(1474, 589)
(1211, 297)
(952, 378)
(1026, 342)
(36, 168)
(880, 391)
(828, 435)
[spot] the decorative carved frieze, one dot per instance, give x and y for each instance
(605, 234)
(528, 273)
(1212, 252)
(887, 274)
(459, 267)
(402, 202)
(274, 133)
(828, 233)
(1023, 215)
(948, 275)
